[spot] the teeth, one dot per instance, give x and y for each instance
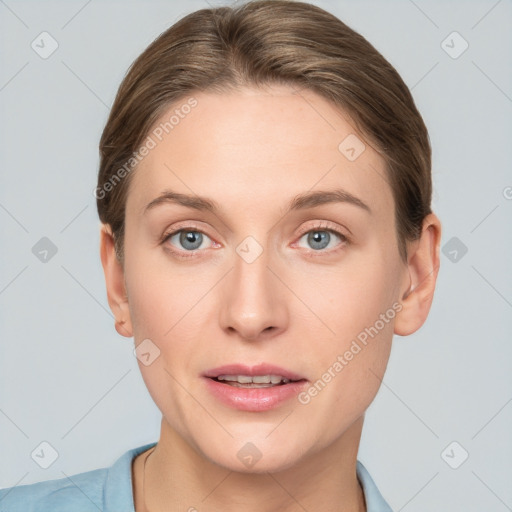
(257, 379)
(231, 378)
(263, 379)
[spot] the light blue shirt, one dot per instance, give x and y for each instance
(110, 490)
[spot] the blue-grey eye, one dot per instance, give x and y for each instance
(320, 239)
(189, 240)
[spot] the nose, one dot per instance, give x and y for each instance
(253, 300)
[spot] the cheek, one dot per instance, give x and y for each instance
(355, 307)
(146, 300)
(159, 314)
(350, 297)
(167, 306)
(158, 295)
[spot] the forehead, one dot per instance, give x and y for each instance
(258, 145)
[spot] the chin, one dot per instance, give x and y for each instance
(269, 464)
(257, 456)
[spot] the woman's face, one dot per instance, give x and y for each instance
(248, 271)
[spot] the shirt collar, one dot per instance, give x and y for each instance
(374, 500)
(118, 492)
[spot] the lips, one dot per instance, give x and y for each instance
(253, 388)
(253, 371)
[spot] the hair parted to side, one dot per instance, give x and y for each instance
(260, 43)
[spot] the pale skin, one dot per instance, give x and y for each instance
(297, 305)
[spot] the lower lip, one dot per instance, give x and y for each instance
(254, 399)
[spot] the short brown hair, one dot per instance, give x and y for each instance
(260, 43)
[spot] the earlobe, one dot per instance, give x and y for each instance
(114, 281)
(423, 268)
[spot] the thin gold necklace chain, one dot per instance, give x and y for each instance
(144, 480)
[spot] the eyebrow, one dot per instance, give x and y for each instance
(300, 202)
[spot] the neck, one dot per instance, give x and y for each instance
(177, 477)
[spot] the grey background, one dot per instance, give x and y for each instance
(66, 376)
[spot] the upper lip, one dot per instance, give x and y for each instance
(259, 369)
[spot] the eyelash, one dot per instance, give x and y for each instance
(327, 227)
(321, 227)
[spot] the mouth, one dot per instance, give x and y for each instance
(257, 381)
(253, 388)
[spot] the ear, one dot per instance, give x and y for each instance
(423, 267)
(114, 280)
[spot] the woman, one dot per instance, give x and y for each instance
(264, 191)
